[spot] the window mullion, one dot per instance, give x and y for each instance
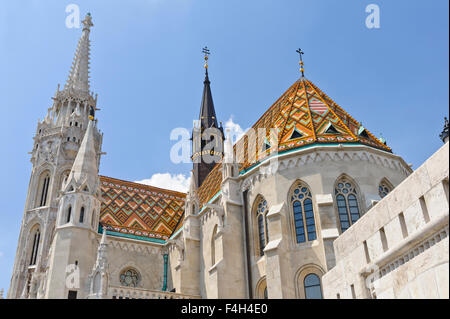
(305, 226)
(347, 204)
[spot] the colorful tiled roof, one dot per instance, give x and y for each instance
(302, 116)
(139, 211)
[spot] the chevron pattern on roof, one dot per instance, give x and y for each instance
(302, 116)
(139, 210)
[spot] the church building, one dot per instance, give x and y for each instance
(308, 204)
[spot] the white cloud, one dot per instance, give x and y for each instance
(175, 182)
(234, 129)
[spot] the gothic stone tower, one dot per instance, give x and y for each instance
(56, 144)
(207, 136)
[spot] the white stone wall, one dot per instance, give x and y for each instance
(399, 248)
(286, 262)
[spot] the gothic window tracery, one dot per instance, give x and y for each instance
(347, 203)
(384, 188)
(129, 278)
(302, 207)
(261, 218)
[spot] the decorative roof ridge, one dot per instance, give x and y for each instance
(319, 91)
(273, 104)
(141, 186)
(178, 225)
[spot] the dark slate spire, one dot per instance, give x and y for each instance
(205, 159)
(207, 112)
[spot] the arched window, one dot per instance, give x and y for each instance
(82, 215)
(213, 246)
(384, 188)
(347, 203)
(130, 278)
(44, 185)
(303, 211)
(261, 289)
(35, 247)
(261, 218)
(69, 213)
(313, 290)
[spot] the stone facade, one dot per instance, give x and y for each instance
(308, 222)
(400, 248)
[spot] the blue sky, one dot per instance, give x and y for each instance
(146, 66)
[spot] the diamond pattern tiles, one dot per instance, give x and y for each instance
(140, 210)
(302, 116)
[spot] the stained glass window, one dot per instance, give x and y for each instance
(302, 207)
(347, 203)
(129, 278)
(263, 235)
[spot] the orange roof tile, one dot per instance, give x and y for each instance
(302, 116)
(139, 210)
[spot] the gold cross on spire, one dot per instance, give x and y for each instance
(206, 53)
(300, 52)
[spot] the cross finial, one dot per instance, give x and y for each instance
(206, 53)
(87, 22)
(300, 53)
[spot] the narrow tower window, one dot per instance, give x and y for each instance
(261, 216)
(69, 213)
(44, 191)
(82, 215)
(35, 247)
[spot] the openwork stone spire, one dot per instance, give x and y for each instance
(79, 74)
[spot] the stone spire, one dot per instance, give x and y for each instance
(79, 74)
(102, 251)
(98, 279)
(84, 170)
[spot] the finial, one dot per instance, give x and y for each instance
(206, 53)
(300, 53)
(445, 132)
(87, 22)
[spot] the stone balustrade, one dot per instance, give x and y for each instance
(119, 292)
